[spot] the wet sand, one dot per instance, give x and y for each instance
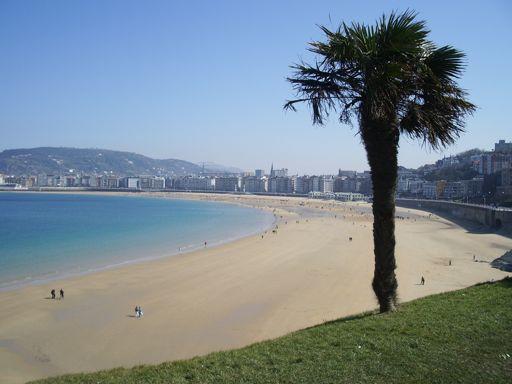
(234, 294)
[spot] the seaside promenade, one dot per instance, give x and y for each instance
(237, 293)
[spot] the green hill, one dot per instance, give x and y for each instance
(457, 337)
(454, 173)
(51, 160)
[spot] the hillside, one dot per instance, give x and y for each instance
(52, 160)
(453, 173)
(457, 337)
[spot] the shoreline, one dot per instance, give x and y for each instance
(235, 294)
(30, 281)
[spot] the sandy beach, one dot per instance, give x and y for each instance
(234, 294)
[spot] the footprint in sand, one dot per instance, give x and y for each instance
(40, 356)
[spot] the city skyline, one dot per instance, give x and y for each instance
(474, 175)
(173, 81)
(267, 168)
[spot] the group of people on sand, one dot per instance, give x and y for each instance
(138, 312)
(54, 296)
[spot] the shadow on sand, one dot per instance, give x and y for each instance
(469, 225)
(504, 262)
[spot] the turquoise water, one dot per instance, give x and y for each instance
(47, 236)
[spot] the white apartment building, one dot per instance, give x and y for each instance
(280, 185)
(132, 183)
(158, 183)
(253, 184)
(42, 180)
(326, 184)
(226, 184)
(430, 190)
(416, 186)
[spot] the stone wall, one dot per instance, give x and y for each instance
(490, 217)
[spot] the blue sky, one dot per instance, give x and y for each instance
(205, 81)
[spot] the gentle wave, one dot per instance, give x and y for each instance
(36, 261)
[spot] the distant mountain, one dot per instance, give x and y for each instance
(214, 167)
(52, 160)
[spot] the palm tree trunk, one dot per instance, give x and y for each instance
(381, 142)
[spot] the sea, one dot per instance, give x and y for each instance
(46, 236)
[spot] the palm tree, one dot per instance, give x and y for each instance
(394, 81)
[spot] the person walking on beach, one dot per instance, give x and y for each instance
(422, 280)
(61, 294)
(53, 293)
(138, 312)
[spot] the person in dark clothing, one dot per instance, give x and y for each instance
(422, 280)
(61, 293)
(53, 293)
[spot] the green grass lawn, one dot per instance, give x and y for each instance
(457, 337)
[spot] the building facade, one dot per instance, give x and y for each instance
(226, 184)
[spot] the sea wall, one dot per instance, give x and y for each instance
(488, 216)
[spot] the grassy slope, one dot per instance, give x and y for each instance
(456, 337)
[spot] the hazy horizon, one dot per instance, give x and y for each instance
(206, 81)
(265, 167)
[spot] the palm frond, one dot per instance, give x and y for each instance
(445, 62)
(392, 71)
